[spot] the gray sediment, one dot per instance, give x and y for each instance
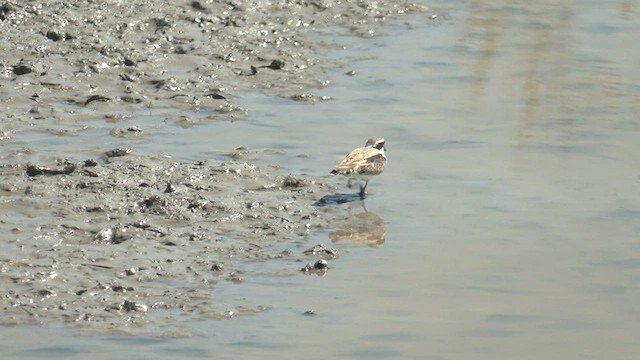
(106, 243)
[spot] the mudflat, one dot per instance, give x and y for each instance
(106, 242)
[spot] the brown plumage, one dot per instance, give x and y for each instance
(363, 163)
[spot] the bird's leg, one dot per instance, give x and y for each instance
(362, 189)
(364, 207)
(349, 183)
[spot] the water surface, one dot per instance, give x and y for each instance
(512, 197)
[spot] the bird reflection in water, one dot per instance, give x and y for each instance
(365, 228)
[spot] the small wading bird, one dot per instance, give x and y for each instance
(363, 163)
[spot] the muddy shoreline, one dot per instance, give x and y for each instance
(118, 58)
(113, 243)
(110, 237)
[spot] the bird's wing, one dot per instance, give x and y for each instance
(357, 158)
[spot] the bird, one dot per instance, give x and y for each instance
(363, 163)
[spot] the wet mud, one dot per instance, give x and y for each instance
(126, 242)
(117, 58)
(101, 243)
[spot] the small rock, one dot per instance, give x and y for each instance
(53, 35)
(196, 5)
(119, 288)
(216, 95)
(129, 62)
(93, 98)
(90, 163)
(276, 65)
(131, 271)
(129, 306)
(320, 267)
(104, 236)
(45, 293)
(117, 152)
(21, 69)
(217, 267)
(321, 264)
(292, 181)
(35, 170)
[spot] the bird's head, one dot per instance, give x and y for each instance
(376, 143)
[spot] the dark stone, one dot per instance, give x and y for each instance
(117, 153)
(129, 62)
(321, 265)
(21, 69)
(129, 306)
(5, 9)
(96, 98)
(90, 163)
(276, 65)
(292, 181)
(216, 96)
(196, 5)
(35, 170)
(52, 35)
(217, 267)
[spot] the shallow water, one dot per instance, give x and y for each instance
(511, 198)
